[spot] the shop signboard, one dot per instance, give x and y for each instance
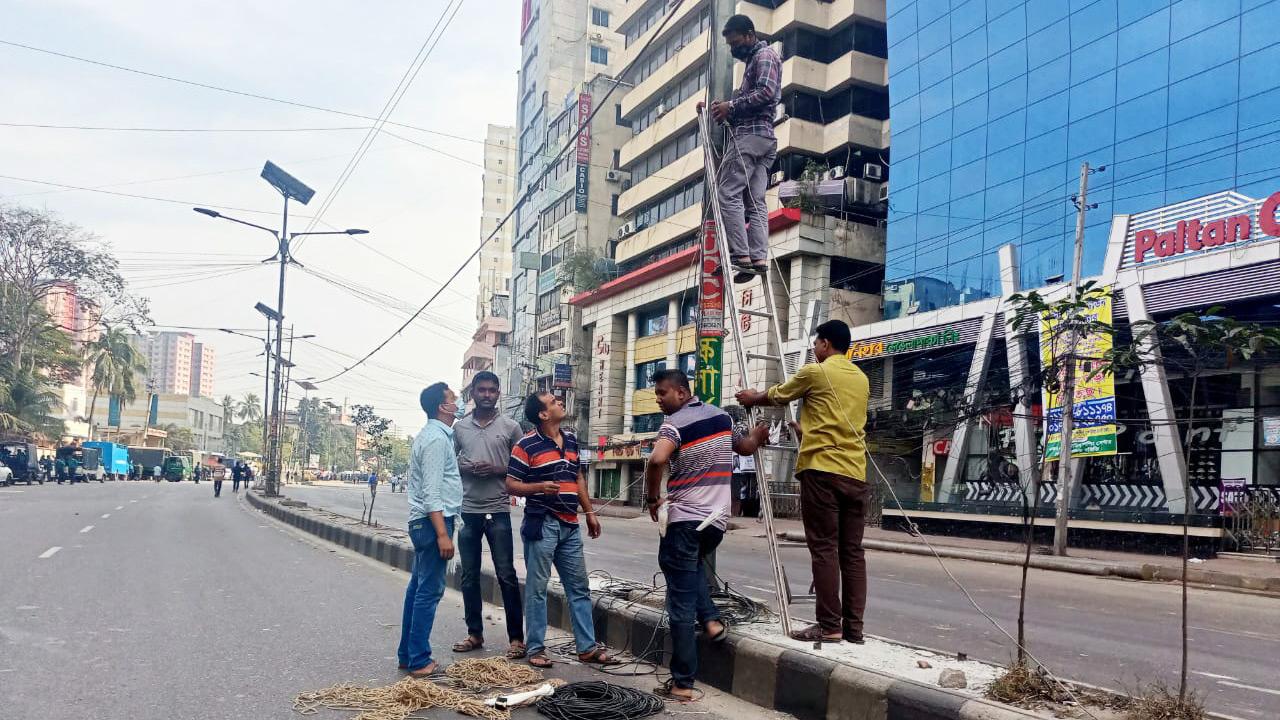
(711, 329)
(876, 348)
(1271, 431)
(562, 376)
(1094, 406)
(1208, 232)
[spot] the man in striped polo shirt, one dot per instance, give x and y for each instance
(544, 469)
(697, 441)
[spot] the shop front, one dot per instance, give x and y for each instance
(958, 425)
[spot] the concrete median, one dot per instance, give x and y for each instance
(806, 685)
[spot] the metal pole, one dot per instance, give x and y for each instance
(266, 387)
(1066, 475)
(273, 473)
(284, 405)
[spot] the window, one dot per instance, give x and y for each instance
(676, 93)
(664, 207)
(551, 343)
(659, 53)
(645, 372)
(608, 483)
(688, 362)
(646, 423)
(558, 210)
(651, 322)
(689, 309)
(599, 55)
(664, 155)
(599, 17)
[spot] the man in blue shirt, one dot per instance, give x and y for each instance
(435, 498)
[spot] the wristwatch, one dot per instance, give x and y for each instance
(652, 500)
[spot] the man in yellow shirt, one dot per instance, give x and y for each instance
(832, 468)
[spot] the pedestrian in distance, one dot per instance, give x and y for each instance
(60, 468)
(484, 440)
(157, 472)
(435, 499)
(218, 474)
(237, 474)
(743, 173)
(696, 444)
(832, 468)
(545, 469)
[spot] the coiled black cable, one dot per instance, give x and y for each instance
(595, 700)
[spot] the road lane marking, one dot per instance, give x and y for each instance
(760, 589)
(106, 515)
(50, 552)
(1249, 687)
(1215, 677)
(119, 507)
(85, 529)
(903, 582)
(1238, 633)
(133, 501)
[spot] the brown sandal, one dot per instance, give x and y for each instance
(814, 633)
(597, 656)
(468, 645)
(540, 660)
(516, 650)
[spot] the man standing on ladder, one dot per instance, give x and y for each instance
(743, 175)
(832, 468)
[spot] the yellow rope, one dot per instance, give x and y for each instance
(400, 700)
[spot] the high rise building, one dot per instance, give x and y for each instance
(497, 198)
(202, 356)
(996, 103)
(568, 52)
(169, 361)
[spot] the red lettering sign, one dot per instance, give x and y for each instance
(1195, 235)
(711, 303)
(584, 137)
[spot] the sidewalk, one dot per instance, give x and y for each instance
(1215, 573)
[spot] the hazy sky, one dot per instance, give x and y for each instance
(422, 208)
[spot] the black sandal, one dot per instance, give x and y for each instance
(471, 643)
(666, 691)
(540, 660)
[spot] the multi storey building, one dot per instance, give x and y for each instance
(169, 360)
(78, 318)
(496, 200)
(568, 51)
(202, 365)
(996, 103)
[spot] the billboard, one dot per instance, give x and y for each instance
(1094, 406)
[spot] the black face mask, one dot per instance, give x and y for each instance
(741, 52)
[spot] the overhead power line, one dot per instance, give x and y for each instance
(102, 128)
(569, 144)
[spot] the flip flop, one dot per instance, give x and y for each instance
(425, 671)
(665, 691)
(720, 636)
(814, 633)
(744, 276)
(597, 656)
(468, 645)
(540, 660)
(516, 650)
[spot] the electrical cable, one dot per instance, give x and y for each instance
(572, 142)
(597, 700)
(179, 130)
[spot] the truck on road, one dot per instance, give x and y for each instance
(113, 460)
(149, 458)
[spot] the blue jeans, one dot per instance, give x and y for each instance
(689, 603)
(496, 528)
(426, 587)
(561, 544)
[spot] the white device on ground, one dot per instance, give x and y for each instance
(521, 699)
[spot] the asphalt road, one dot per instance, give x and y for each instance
(1109, 632)
(156, 601)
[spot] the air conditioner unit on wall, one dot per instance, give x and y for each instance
(872, 171)
(662, 109)
(616, 175)
(884, 192)
(626, 229)
(597, 37)
(777, 178)
(835, 173)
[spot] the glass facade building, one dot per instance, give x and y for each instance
(996, 103)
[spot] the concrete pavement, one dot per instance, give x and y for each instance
(179, 605)
(1100, 630)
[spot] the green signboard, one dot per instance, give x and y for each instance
(710, 359)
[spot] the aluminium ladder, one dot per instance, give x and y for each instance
(769, 315)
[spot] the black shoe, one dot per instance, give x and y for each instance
(855, 638)
(743, 276)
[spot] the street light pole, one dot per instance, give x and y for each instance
(290, 188)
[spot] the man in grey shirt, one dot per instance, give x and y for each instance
(484, 440)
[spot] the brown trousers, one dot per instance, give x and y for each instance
(834, 509)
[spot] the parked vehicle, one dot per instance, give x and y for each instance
(176, 468)
(113, 459)
(149, 458)
(83, 463)
(21, 460)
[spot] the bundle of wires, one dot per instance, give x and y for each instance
(595, 700)
(738, 609)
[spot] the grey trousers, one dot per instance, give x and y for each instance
(743, 179)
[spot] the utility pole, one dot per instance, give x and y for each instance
(1066, 474)
(266, 388)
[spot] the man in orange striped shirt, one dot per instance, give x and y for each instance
(544, 468)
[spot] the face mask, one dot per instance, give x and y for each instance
(458, 413)
(741, 52)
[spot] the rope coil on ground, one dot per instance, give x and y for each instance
(595, 700)
(481, 674)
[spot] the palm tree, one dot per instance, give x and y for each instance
(249, 409)
(29, 403)
(114, 362)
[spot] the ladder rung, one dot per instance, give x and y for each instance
(758, 356)
(757, 313)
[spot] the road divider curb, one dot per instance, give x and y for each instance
(808, 686)
(1206, 579)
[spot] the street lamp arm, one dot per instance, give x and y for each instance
(218, 215)
(351, 231)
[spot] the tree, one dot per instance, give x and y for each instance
(180, 440)
(374, 426)
(249, 409)
(39, 254)
(28, 404)
(1191, 344)
(114, 364)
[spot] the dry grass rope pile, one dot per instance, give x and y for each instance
(399, 700)
(480, 674)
